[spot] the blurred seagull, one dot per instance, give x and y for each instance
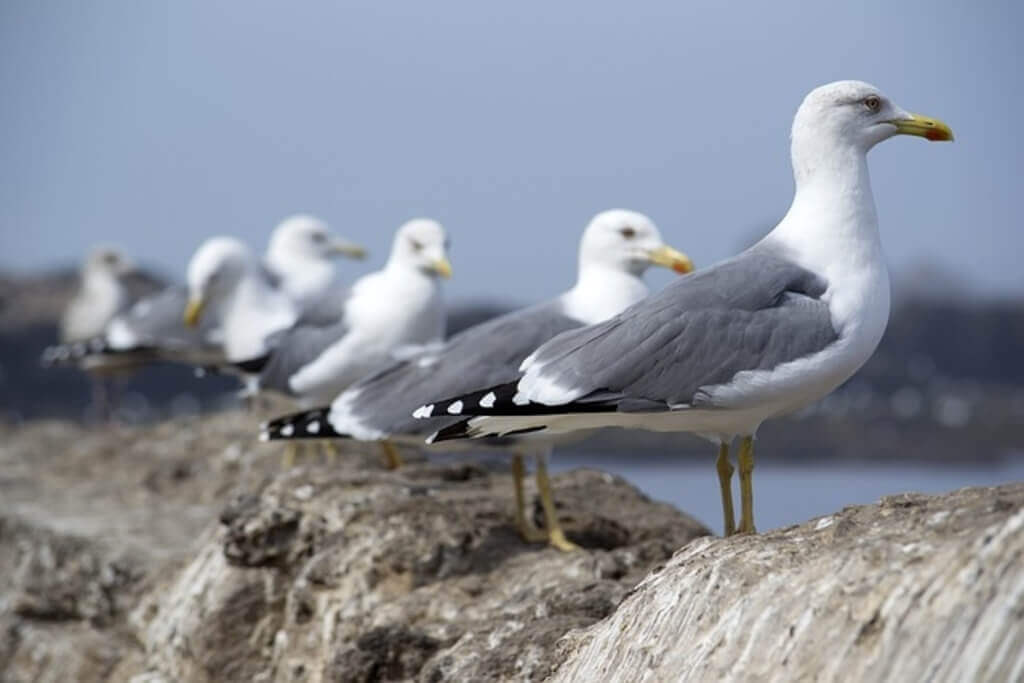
(393, 311)
(299, 263)
(759, 335)
(615, 250)
(109, 283)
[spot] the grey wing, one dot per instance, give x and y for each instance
(295, 348)
(158, 321)
(269, 276)
(327, 309)
(753, 312)
(140, 284)
(483, 355)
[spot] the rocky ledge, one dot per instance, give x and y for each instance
(181, 552)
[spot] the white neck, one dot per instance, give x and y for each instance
(102, 284)
(303, 279)
(832, 222)
(253, 311)
(831, 229)
(601, 292)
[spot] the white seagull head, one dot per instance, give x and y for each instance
(854, 115)
(214, 272)
(421, 244)
(627, 241)
(104, 261)
(307, 238)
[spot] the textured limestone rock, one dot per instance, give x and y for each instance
(916, 588)
(417, 574)
(181, 552)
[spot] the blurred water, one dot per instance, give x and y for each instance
(790, 493)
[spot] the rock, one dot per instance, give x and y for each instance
(914, 588)
(416, 574)
(182, 552)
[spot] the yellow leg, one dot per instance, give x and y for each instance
(527, 530)
(392, 459)
(330, 451)
(746, 463)
(556, 537)
(288, 459)
(725, 471)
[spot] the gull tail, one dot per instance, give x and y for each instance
(305, 424)
(484, 427)
(91, 350)
(252, 366)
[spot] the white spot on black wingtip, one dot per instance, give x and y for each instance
(455, 408)
(520, 400)
(287, 430)
(264, 436)
(488, 400)
(313, 427)
(423, 411)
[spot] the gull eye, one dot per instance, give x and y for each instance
(628, 233)
(416, 245)
(319, 237)
(873, 103)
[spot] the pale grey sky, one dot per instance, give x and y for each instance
(152, 125)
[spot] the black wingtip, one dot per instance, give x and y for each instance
(491, 401)
(459, 430)
(305, 424)
(253, 366)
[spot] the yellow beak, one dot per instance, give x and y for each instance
(923, 127)
(349, 249)
(442, 267)
(668, 257)
(193, 311)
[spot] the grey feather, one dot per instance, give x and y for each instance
(139, 284)
(483, 355)
(752, 312)
(294, 348)
(327, 309)
(158, 320)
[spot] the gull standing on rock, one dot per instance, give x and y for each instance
(299, 262)
(109, 284)
(756, 336)
(390, 312)
(615, 250)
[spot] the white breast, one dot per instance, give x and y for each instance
(386, 312)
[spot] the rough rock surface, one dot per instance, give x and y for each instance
(916, 588)
(181, 552)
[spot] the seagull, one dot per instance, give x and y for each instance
(299, 261)
(108, 284)
(616, 248)
(227, 281)
(393, 311)
(762, 334)
(301, 255)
